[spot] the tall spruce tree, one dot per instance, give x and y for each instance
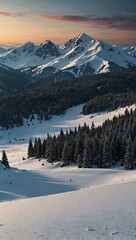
(78, 147)
(87, 155)
(43, 148)
(61, 140)
(30, 149)
(65, 153)
(79, 161)
(47, 151)
(51, 151)
(129, 161)
(35, 147)
(38, 149)
(106, 156)
(5, 159)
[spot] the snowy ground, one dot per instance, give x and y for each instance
(50, 203)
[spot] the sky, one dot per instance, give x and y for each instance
(113, 21)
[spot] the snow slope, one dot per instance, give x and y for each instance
(130, 50)
(43, 201)
(29, 55)
(79, 56)
(93, 213)
(2, 50)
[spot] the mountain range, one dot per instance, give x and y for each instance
(77, 57)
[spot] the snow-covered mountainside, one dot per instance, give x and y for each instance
(130, 50)
(80, 56)
(2, 50)
(30, 55)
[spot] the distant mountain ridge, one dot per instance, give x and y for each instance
(79, 56)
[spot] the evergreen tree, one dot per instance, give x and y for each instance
(38, 149)
(129, 161)
(43, 148)
(79, 161)
(78, 147)
(65, 153)
(47, 151)
(106, 155)
(35, 147)
(61, 140)
(87, 155)
(5, 159)
(51, 151)
(30, 149)
(134, 146)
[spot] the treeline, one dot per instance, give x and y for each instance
(55, 99)
(109, 102)
(86, 147)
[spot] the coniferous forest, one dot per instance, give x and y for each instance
(104, 146)
(119, 88)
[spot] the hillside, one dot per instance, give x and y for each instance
(55, 99)
(12, 80)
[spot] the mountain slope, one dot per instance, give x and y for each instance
(79, 56)
(29, 55)
(84, 55)
(130, 50)
(12, 80)
(2, 50)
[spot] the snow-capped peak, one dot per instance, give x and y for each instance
(29, 46)
(79, 56)
(85, 38)
(47, 42)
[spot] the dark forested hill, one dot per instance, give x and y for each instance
(55, 99)
(12, 80)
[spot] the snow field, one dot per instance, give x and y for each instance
(43, 201)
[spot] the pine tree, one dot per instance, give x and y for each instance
(134, 146)
(51, 151)
(43, 148)
(30, 149)
(78, 147)
(95, 149)
(87, 155)
(5, 159)
(35, 147)
(47, 151)
(38, 149)
(61, 140)
(129, 161)
(65, 153)
(79, 161)
(104, 157)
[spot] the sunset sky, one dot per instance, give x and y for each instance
(21, 21)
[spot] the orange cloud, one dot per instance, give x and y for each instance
(67, 18)
(117, 21)
(12, 15)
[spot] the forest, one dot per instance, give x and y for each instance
(46, 101)
(104, 146)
